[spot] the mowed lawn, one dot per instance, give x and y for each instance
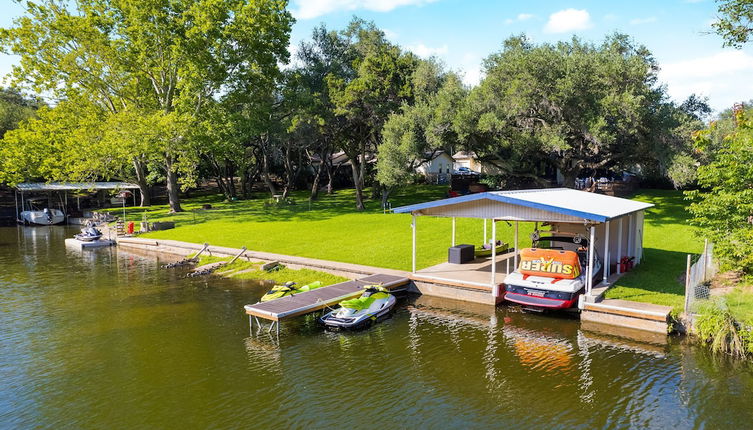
(331, 229)
(667, 240)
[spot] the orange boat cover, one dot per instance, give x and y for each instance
(551, 263)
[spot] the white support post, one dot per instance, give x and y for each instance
(515, 256)
(453, 231)
(619, 245)
(607, 258)
(485, 235)
(15, 200)
(631, 237)
(495, 290)
(413, 252)
(590, 269)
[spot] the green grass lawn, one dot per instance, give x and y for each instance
(667, 240)
(331, 229)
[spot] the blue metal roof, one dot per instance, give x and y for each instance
(564, 201)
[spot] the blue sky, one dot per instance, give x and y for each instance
(462, 33)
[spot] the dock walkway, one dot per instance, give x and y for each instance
(320, 298)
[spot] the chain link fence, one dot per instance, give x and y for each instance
(698, 276)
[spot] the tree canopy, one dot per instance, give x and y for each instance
(735, 22)
(165, 60)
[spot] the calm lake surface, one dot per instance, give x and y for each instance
(107, 339)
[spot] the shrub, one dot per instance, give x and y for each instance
(716, 326)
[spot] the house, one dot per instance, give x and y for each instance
(439, 162)
(469, 160)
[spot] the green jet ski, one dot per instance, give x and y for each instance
(375, 304)
(288, 289)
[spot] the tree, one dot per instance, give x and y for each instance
(417, 132)
(723, 207)
(576, 105)
(162, 58)
(16, 107)
(735, 22)
(379, 85)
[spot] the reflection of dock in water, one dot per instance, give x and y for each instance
(633, 340)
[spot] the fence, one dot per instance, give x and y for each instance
(697, 277)
(438, 178)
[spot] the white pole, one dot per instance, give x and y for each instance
(631, 237)
(413, 253)
(15, 200)
(495, 291)
(589, 270)
(453, 231)
(516, 245)
(485, 236)
(607, 261)
(619, 245)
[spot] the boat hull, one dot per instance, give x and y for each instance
(41, 218)
(543, 303)
(361, 320)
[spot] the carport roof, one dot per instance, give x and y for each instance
(547, 204)
(74, 186)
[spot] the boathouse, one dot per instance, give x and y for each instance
(25, 190)
(613, 225)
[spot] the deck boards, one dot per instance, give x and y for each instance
(310, 301)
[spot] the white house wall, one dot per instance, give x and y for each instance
(441, 164)
(491, 209)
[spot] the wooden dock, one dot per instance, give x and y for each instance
(318, 299)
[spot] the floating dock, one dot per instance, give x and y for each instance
(318, 299)
(80, 244)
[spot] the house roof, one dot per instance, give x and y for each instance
(548, 204)
(75, 186)
(463, 155)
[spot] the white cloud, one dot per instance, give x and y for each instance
(568, 20)
(724, 77)
(389, 34)
(426, 51)
(308, 9)
(520, 18)
(470, 68)
(647, 20)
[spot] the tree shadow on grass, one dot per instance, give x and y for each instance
(660, 272)
(670, 206)
(262, 210)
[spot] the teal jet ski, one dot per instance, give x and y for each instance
(374, 304)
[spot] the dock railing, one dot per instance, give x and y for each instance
(697, 277)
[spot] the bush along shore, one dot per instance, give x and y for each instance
(725, 323)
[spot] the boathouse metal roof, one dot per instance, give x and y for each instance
(74, 186)
(546, 205)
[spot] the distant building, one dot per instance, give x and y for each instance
(469, 160)
(438, 162)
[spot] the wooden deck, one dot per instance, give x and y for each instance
(314, 300)
(476, 274)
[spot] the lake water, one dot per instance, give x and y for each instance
(107, 339)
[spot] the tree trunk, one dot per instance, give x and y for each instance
(385, 196)
(315, 186)
(145, 191)
(569, 176)
(358, 184)
(172, 186)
